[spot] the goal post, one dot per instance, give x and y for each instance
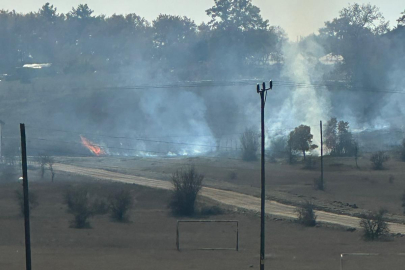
(208, 221)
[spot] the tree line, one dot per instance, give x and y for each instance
(237, 41)
(79, 42)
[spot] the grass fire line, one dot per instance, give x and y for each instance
(98, 151)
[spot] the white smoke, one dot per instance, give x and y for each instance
(304, 103)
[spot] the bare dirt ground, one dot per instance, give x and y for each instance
(148, 240)
(349, 190)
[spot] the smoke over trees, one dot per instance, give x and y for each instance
(90, 54)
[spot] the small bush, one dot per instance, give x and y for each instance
(250, 144)
(232, 175)
(306, 215)
(378, 159)
(120, 202)
(211, 211)
(278, 147)
(309, 163)
(187, 184)
(318, 183)
(374, 226)
(32, 198)
(83, 205)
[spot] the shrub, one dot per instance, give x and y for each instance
(32, 198)
(120, 202)
(306, 215)
(318, 183)
(278, 147)
(83, 205)
(187, 184)
(250, 144)
(309, 163)
(211, 211)
(374, 226)
(378, 159)
(232, 175)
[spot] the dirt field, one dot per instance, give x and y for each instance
(346, 185)
(148, 241)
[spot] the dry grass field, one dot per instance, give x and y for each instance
(346, 185)
(148, 240)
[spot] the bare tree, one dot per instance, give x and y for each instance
(374, 225)
(120, 202)
(250, 144)
(82, 205)
(45, 160)
(356, 152)
(187, 184)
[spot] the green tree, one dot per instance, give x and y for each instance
(236, 14)
(401, 20)
(345, 139)
(82, 12)
(301, 139)
(48, 12)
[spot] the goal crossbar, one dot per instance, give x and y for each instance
(208, 221)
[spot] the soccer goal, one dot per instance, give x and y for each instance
(371, 261)
(208, 232)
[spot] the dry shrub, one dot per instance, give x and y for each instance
(120, 202)
(374, 226)
(187, 184)
(318, 183)
(378, 159)
(82, 205)
(310, 163)
(250, 144)
(306, 215)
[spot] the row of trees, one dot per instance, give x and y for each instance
(79, 42)
(338, 140)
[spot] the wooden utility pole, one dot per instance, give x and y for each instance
(26, 199)
(321, 156)
(263, 96)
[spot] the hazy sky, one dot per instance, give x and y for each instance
(297, 17)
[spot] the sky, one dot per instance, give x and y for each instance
(296, 17)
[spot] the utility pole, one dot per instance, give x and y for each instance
(263, 97)
(321, 156)
(26, 199)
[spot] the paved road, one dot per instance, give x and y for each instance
(223, 196)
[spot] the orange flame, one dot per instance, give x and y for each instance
(92, 147)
